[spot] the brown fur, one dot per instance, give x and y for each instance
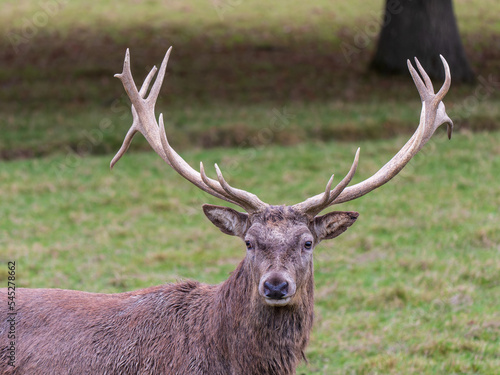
(183, 328)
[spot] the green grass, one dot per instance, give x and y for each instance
(264, 90)
(411, 288)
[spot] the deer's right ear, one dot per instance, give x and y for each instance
(229, 221)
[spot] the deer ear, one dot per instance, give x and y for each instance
(333, 224)
(229, 221)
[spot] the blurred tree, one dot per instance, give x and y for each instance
(425, 29)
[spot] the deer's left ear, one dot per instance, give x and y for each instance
(333, 224)
(229, 221)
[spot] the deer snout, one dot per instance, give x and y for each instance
(277, 289)
(274, 291)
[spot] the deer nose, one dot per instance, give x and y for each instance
(275, 290)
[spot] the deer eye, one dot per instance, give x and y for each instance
(249, 245)
(308, 245)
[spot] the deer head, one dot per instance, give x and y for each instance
(279, 239)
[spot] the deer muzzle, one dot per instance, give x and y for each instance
(277, 288)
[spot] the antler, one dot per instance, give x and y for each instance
(432, 116)
(144, 121)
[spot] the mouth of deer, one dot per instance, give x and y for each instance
(277, 302)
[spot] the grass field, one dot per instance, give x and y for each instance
(264, 90)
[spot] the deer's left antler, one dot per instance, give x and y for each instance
(432, 116)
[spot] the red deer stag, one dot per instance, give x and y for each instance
(256, 322)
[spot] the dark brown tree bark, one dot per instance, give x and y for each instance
(425, 29)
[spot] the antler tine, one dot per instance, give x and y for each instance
(433, 114)
(346, 180)
(222, 187)
(447, 81)
(225, 189)
(214, 185)
(327, 193)
(444, 90)
(155, 90)
(425, 76)
(147, 81)
(124, 147)
(421, 87)
(247, 200)
(318, 203)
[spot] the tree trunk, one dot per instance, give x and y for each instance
(425, 29)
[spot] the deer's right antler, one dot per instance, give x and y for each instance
(144, 121)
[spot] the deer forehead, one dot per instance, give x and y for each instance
(279, 216)
(280, 226)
